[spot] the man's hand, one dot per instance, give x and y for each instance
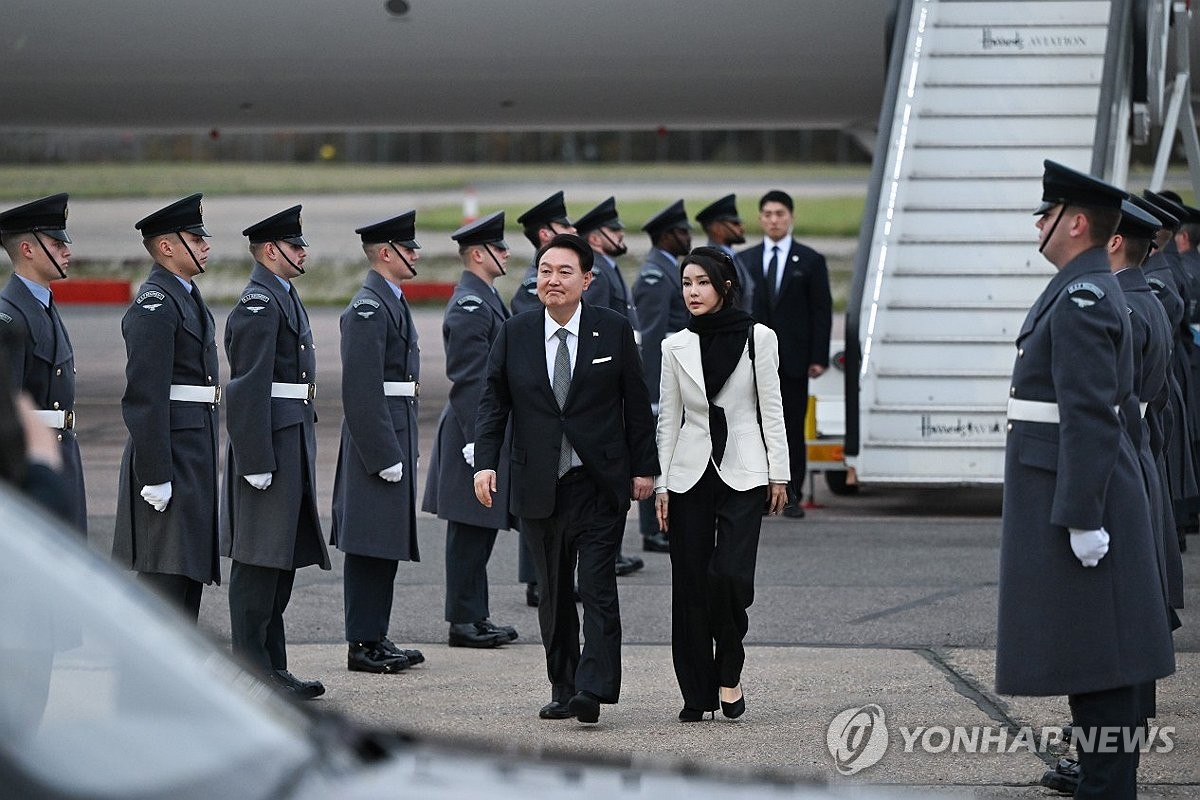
(660, 510)
(642, 487)
(393, 474)
(158, 495)
(259, 480)
(1089, 546)
(468, 452)
(485, 486)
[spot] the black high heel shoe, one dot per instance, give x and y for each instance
(689, 714)
(736, 708)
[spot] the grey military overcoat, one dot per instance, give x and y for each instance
(268, 340)
(169, 339)
(46, 369)
(372, 517)
(525, 298)
(658, 297)
(471, 323)
(1065, 628)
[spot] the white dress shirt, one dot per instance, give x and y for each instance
(785, 247)
(551, 334)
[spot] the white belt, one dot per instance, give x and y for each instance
(196, 394)
(62, 420)
(401, 388)
(294, 391)
(1036, 411)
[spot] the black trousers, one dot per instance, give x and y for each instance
(794, 393)
(1111, 775)
(258, 596)
(468, 548)
(367, 585)
(525, 571)
(714, 550)
(584, 528)
(180, 590)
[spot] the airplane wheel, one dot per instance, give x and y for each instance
(836, 481)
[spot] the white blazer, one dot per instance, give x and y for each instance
(684, 452)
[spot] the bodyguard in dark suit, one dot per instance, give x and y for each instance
(374, 488)
(791, 296)
(471, 323)
(166, 526)
(582, 445)
(601, 227)
(270, 526)
(658, 297)
(541, 223)
(43, 364)
(1073, 486)
(723, 226)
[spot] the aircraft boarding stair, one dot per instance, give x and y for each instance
(979, 94)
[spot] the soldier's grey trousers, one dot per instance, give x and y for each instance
(258, 597)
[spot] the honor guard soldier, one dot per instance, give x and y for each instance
(602, 229)
(540, 223)
(166, 526)
(1164, 273)
(723, 226)
(471, 323)
(35, 237)
(269, 524)
(1072, 485)
(374, 489)
(658, 297)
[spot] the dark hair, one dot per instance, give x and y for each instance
(776, 196)
(719, 267)
(571, 242)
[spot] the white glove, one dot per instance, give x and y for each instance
(1089, 546)
(158, 495)
(260, 480)
(394, 473)
(469, 453)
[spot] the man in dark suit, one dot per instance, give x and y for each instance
(471, 323)
(540, 224)
(658, 297)
(269, 525)
(374, 485)
(582, 446)
(166, 527)
(791, 296)
(43, 362)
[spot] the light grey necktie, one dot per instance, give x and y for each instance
(561, 384)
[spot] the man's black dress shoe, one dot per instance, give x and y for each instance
(689, 714)
(585, 707)
(1064, 778)
(532, 598)
(414, 656)
(508, 630)
(656, 543)
(475, 634)
(372, 657)
(289, 684)
(627, 564)
(794, 510)
(555, 709)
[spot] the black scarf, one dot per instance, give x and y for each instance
(723, 335)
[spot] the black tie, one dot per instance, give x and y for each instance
(773, 273)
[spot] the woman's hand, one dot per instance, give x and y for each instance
(777, 498)
(660, 509)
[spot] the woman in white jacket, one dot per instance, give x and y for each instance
(723, 452)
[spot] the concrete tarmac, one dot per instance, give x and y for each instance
(886, 598)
